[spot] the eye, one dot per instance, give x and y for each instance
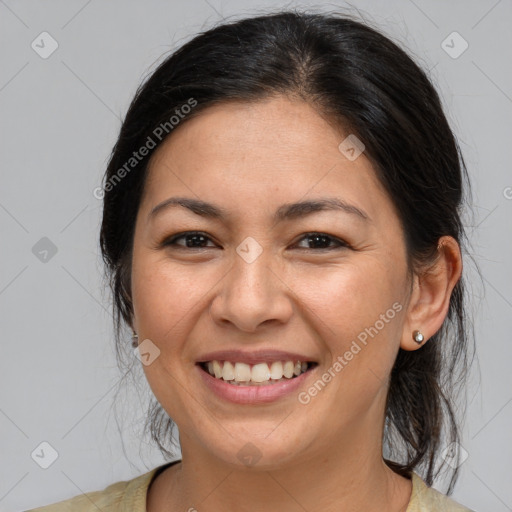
(321, 239)
(193, 240)
(197, 240)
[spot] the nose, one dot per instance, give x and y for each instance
(252, 294)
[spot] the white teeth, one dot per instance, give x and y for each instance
(260, 373)
(288, 369)
(228, 371)
(217, 370)
(241, 374)
(276, 370)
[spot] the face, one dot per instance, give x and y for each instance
(268, 283)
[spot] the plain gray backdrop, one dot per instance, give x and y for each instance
(61, 108)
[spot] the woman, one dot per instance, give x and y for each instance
(282, 232)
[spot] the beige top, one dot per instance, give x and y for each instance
(130, 496)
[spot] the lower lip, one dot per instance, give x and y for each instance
(252, 394)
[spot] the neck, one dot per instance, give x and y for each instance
(346, 476)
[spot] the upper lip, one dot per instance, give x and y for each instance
(253, 357)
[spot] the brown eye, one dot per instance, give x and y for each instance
(193, 240)
(198, 240)
(322, 241)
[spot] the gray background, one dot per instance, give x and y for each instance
(59, 119)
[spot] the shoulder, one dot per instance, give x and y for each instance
(427, 499)
(119, 496)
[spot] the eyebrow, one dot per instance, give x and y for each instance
(287, 211)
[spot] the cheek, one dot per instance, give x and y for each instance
(168, 299)
(346, 299)
(357, 313)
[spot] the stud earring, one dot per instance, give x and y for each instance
(418, 337)
(135, 340)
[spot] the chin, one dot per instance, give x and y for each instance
(255, 451)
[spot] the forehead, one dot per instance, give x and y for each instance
(247, 154)
(269, 126)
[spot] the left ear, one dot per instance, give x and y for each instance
(430, 296)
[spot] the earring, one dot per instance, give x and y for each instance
(418, 337)
(135, 340)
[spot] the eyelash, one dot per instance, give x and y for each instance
(172, 241)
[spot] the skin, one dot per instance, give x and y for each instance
(327, 455)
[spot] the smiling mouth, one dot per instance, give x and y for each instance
(260, 374)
